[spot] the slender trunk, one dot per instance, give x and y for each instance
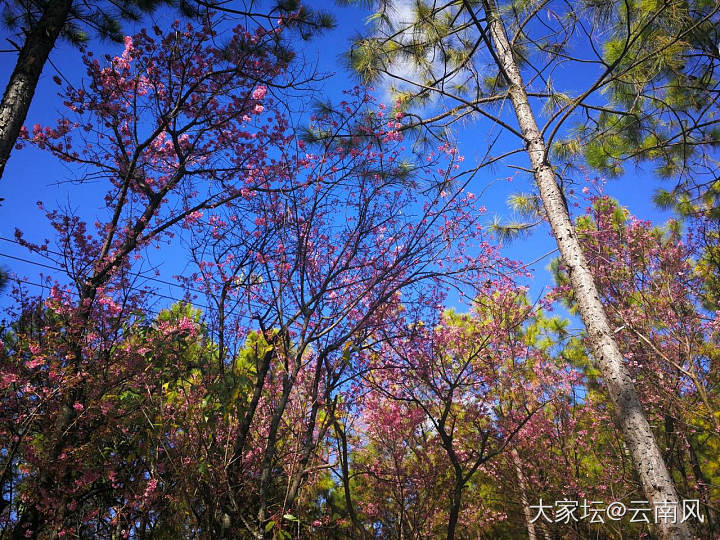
(21, 87)
(249, 416)
(310, 440)
(455, 504)
(359, 530)
(523, 494)
(29, 521)
(703, 484)
(645, 454)
(270, 449)
(309, 445)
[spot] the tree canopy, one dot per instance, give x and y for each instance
(347, 351)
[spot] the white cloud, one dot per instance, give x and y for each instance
(402, 15)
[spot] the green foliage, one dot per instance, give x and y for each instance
(528, 209)
(365, 58)
(526, 204)
(663, 92)
(101, 18)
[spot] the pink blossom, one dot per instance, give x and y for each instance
(35, 362)
(8, 379)
(259, 92)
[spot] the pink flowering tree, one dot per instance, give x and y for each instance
(315, 270)
(118, 423)
(568, 451)
(466, 385)
(655, 297)
(400, 476)
(171, 126)
(572, 450)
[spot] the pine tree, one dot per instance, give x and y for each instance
(474, 57)
(44, 21)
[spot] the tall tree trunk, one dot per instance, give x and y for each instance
(522, 484)
(20, 89)
(455, 504)
(358, 529)
(271, 447)
(703, 484)
(645, 454)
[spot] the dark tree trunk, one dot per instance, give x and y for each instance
(19, 93)
(455, 505)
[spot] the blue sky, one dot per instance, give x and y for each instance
(33, 175)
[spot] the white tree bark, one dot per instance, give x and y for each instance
(645, 454)
(523, 494)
